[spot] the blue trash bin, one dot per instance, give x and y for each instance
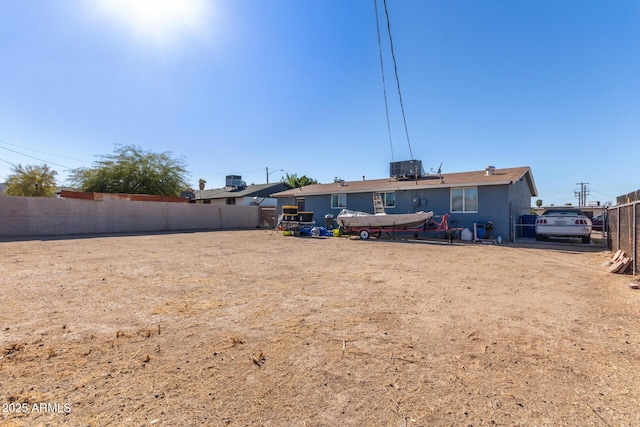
(528, 230)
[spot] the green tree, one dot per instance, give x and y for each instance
(36, 181)
(133, 170)
(539, 203)
(296, 182)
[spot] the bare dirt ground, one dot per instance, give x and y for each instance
(256, 328)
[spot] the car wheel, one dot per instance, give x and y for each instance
(586, 239)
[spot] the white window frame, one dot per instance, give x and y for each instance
(339, 197)
(464, 199)
(384, 199)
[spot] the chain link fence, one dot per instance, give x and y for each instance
(624, 230)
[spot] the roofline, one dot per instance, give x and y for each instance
(222, 193)
(345, 189)
(532, 183)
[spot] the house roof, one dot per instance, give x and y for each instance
(476, 178)
(255, 190)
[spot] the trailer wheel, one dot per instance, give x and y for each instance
(364, 234)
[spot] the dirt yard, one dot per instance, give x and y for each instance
(256, 328)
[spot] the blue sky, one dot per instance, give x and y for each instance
(235, 86)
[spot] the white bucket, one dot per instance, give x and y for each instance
(466, 234)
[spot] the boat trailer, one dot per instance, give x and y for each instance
(430, 226)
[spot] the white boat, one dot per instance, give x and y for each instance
(354, 219)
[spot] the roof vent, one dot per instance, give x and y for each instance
(341, 183)
(490, 170)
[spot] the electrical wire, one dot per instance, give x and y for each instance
(395, 67)
(37, 158)
(225, 174)
(13, 165)
(604, 194)
(384, 85)
(563, 198)
(43, 152)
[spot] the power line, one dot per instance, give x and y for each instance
(39, 151)
(562, 198)
(604, 194)
(37, 158)
(395, 67)
(13, 165)
(225, 174)
(384, 85)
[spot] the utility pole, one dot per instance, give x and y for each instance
(269, 173)
(582, 194)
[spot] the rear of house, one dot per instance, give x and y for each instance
(500, 196)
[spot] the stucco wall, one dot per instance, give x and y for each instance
(37, 216)
(520, 197)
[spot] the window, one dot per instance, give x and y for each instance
(338, 201)
(464, 199)
(231, 201)
(389, 200)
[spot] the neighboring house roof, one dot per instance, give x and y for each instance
(255, 190)
(477, 178)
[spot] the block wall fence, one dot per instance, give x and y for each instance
(38, 216)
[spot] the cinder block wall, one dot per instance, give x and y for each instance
(38, 216)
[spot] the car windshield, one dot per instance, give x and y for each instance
(566, 212)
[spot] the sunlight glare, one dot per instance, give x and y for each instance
(161, 22)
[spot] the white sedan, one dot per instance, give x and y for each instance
(566, 222)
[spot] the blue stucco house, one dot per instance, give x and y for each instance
(501, 196)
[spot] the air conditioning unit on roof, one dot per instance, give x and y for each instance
(235, 182)
(405, 169)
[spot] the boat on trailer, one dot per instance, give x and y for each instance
(366, 224)
(355, 219)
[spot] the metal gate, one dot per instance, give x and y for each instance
(267, 217)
